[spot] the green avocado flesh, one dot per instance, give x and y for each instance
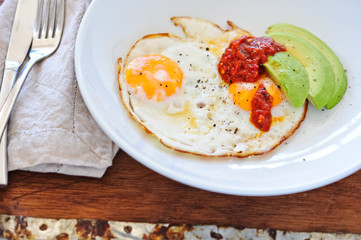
(290, 75)
(338, 70)
(319, 70)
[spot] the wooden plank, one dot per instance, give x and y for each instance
(131, 192)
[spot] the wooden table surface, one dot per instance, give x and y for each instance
(131, 192)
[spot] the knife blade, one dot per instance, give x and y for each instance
(19, 45)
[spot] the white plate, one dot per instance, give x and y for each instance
(324, 149)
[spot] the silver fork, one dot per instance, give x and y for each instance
(48, 30)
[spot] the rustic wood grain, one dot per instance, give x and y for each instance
(131, 192)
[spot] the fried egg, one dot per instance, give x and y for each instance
(171, 86)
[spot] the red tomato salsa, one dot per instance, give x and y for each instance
(261, 116)
(241, 63)
(242, 59)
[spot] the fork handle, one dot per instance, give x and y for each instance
(13, 95)
(8, 80)
(4, 159)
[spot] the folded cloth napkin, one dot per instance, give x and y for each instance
(51, 129)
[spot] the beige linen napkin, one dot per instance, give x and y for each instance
(50, 129)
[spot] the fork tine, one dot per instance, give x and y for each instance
(44, 28)
(53, 8)
(36, 30)
(60, 20)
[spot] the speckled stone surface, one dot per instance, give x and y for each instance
(17, 227)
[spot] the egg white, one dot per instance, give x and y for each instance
(201, 118)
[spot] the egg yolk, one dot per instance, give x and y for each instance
(242, 94)
(157, 76)
(276, 95)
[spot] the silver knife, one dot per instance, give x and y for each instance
(19, 45)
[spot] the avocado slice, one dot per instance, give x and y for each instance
(338, 70)
(319, 70)
(290, 75)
